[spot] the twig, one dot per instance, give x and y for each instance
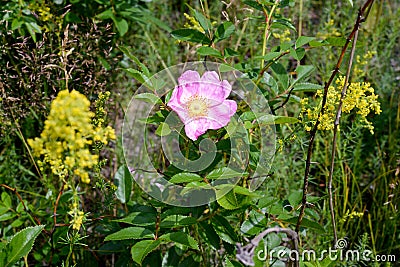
(335, 129)
(56, 205)
(313, 132)
(14, 190)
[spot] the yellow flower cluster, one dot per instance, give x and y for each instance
(67, 135)
(283, 37)
(77, 217)
(329, 30)
(42, 10)
(359, 97)
(349, 216)
(362, 62)
(192, 23)
(100, 113)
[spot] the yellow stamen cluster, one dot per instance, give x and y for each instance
(197, 106)
(359, 97)
(68, 134)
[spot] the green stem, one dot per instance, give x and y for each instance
(267, 32)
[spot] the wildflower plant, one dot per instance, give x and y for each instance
(67, 138)
(66, 145)
(360, 98)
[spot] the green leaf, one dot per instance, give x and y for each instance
(307, 87)
(271, 119)
(72, 17)
(306, 223)
(122, 26)
(6, 200)
(270, 81)
(224, 31)
(228, 200)
(224, 173)
(303, 71)
(278, 23)
(123, 181)
(208, 51)
(139, 218)
(21, 244)
(142, 248)
(185, 177)
(35, 27)
(163, 129)
(230, 53)
(295, 198)
(203, 21)
(281, 74)
(269, 56)
(180, 238)
(302, 40)
(226, 68)
(141, 77)
(240, 190)
(191, 35)
(16, 24)
(318, 43)
(224, 229)
(254, 224)
(31, 30)
(336, 41)
(104, 62)
(253, 4)
(210, 236)
(195, 186)
(108, 14)
(7, 216)
(177, 220)
(297, 54)
(149, 98)
(128, 53)
(232, 263)
(130, 233)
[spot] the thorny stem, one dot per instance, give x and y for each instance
(335, 129)
(360, 19)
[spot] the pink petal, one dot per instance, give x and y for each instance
(210, 76)
(195, 128)
(181, 111)
(220, 115)
(189, 76)
(212, 88)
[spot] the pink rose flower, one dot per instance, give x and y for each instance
(201, 103)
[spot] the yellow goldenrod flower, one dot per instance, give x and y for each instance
(67, 135)
(360, 97)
